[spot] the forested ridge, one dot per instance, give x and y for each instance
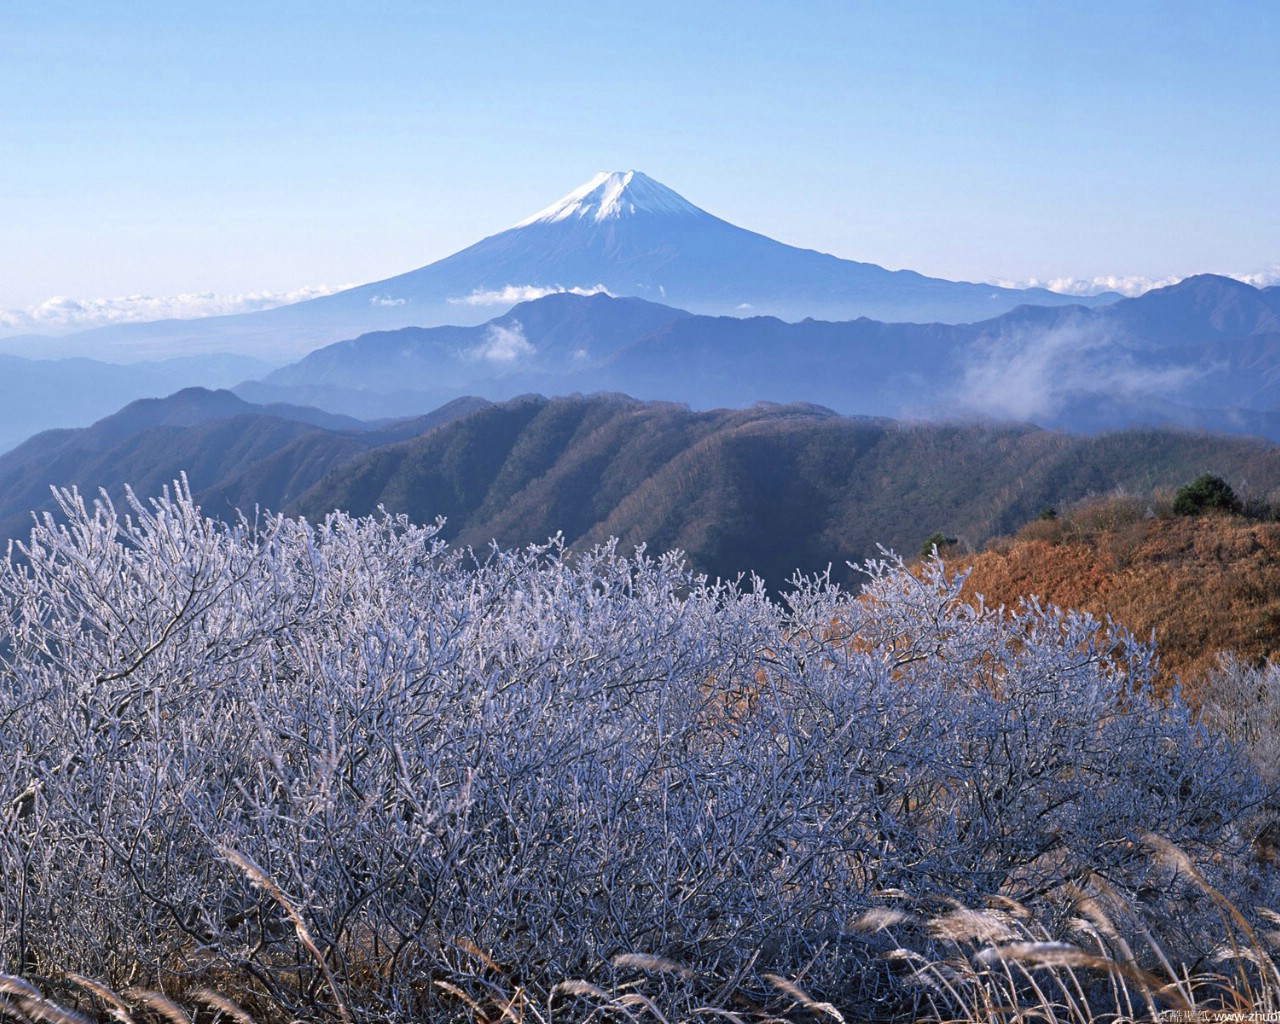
(770, 489)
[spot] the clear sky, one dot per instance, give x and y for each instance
(167, 149)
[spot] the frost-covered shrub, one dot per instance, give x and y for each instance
(544, 759)
(1243, 701)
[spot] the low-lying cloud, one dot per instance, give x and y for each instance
(514, 293)
(1037, 375)
(62, 314)
(503, 345)
(1262, 278)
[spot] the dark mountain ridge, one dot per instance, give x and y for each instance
(562, 332)
(770, 489)
(1202, 308)
(185, 408)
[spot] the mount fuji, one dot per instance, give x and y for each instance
(622, 233)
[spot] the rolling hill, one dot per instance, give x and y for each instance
(1198, 585)
(240, 454)
(769, 489)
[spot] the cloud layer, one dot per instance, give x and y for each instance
(1134, 284)
(61, 314)
(514, 293)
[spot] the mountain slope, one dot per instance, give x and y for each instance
(634, 236)
(45, 394)
(147, 461)
(184, 408)
(553, 335)
(769, 489)
(1206, 307)
(237, 455)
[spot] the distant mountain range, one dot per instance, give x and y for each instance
(1202, 354)
(770, 489)
(39, 394)
(623, 233)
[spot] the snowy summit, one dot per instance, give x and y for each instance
(612, 196)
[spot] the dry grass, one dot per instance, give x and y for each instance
(997, 963)
(1202, 586)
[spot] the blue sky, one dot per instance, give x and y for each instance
(229, 149)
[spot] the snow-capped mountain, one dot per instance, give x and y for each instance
(628, 234)
(612, 197)
(623, 233)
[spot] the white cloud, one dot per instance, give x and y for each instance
(386, 300)
(514, 293)
(1134, 284)
(62, 314)
(503, 345)
(1129, 286)
(1261, 278)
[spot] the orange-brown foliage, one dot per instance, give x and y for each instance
(1202, 585)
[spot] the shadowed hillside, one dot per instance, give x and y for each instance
(240, 455)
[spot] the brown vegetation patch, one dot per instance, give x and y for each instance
(1201, 585)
